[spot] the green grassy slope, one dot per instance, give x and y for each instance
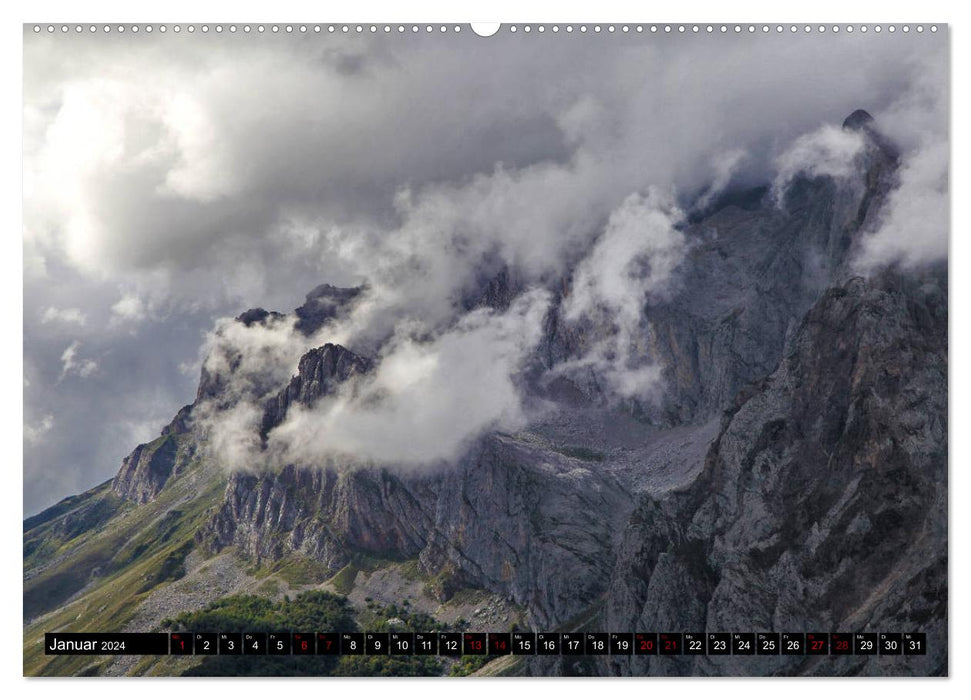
(91, 559)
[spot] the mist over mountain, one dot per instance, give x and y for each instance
(171, 182)
(719, 413)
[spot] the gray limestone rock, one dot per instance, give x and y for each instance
(822, 502)
(818, 503)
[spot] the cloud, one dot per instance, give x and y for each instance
(35, 263)
(52, 314)
(33, 432)
(443, 375)
(424, 403)
(914, 222)
(72, 364)
(253, 361)
(232, 435)
(725, 165)
(631, 263)
(170, 159)
(635, 256)
(140, 157)
(828, 151)
(129, 308)
(211, 174)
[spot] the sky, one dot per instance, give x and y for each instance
(172, 181)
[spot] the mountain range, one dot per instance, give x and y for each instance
(791, 476)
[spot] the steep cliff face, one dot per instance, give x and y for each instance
(754, 267)
(319, 374)
(537, 525)
(324, 514)
(512, 517)
(324, 303)
(148, 468)
(822, 505)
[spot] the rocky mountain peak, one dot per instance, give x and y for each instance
(815, 473)
(319, 373)
(252, 317)
(882, 149)
(323, 303)
(146, 470)
(859, 119)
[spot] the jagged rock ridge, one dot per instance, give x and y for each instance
(319, 373)
(821, 502)
(822, 505)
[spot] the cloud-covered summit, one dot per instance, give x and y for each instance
(170, 181)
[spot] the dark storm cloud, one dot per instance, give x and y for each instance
(173, 179)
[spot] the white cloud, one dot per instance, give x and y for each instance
(232, 435)
(254, 360)
(140, 157)
(218, 173)
(635, 256)
(427, 399)
(33, 432)
(72, 364)
(632, 262)
(725, 165)
(828, 151)
(914, 223)
(52, 314)
(129, 308)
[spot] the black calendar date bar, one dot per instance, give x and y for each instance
(97, 643)
(488, 644)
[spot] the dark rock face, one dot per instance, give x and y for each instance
(858, 120)
(752, 271)
(149, 467)
(495, 290)
(180, 424)
(511, 518)
(822, 504)
(144, 472)
(318, 513)
(323, 303)
(537, 526)
(319, 373)
(257, 316)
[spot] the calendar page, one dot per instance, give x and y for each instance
(485, 350)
